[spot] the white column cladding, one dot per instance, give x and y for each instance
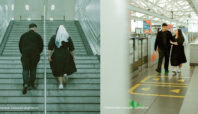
(115, 79)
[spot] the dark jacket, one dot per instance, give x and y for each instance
(31, 42)
(31, 46)
(163, 42)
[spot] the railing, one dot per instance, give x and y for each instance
(5, 37)
(87, 13)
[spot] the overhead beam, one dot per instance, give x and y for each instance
(193, 4)
(140, 10)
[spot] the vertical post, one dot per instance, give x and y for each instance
(45, 54)
(114, 57)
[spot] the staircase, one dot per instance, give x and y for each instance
(81, 95)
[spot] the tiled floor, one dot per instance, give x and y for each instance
(160, 94)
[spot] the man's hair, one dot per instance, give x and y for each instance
(164, 24)
(32, 25)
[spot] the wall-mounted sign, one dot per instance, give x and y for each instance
(170, 28)
(147, 26)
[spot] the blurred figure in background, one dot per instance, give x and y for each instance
(178, 56)
(162, 45)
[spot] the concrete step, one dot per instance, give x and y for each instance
(69, 86)
(76, 57)
(52, 81)
(52, 112)
(55, 107)
(81, 94)
(50, 100)
(18, 54)
(17, 51)
(18, 61)
(50, 76)
(52, 93)
(40, 66)
(82, 70)
(17, 48)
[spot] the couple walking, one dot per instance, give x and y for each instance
(61, 55)
(170, 47)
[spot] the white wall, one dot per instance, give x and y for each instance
(64, 9)
(35, 12)
(87, 12)
(6, 15)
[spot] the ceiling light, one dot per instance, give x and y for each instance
(29, 19)
(52, 7)
(12, 7)
(27, 7)
(51, 18)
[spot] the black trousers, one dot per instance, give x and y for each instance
(163, 54)
(29, 76)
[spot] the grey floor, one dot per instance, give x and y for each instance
(161, 94)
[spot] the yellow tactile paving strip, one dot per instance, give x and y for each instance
(163, 86)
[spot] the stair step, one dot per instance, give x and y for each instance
(50, 76)
(40, 66)
(76, 57)
(50, 100)
(55, 107)
(69, 86)
(51, 81)
(85, 70)
(55, 93)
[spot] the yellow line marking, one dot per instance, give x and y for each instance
(146, 89)
(166, 76)
(156, 79)
(157, 95)
(134, 87)
(145, 78)
(180, 80)
(165, 83)
(175, 90)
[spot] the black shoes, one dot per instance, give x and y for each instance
(32, 86)
(28, 87)
(166, 71)
(25, 88)
(158, 71)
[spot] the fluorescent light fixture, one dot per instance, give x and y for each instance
(29, 19)
(51, 18)
(52, 7)
(12, 7)
(139, 14)
(27, 7)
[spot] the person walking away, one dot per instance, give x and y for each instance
(162, 45)
(178, 56)
(30, 46)
(61, 55)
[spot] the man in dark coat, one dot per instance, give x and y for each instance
(162, 45)
(31, 46)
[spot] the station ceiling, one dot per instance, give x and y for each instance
(178, 11)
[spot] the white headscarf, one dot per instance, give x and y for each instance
(61, 35)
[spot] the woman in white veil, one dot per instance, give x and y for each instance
(61, 55)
